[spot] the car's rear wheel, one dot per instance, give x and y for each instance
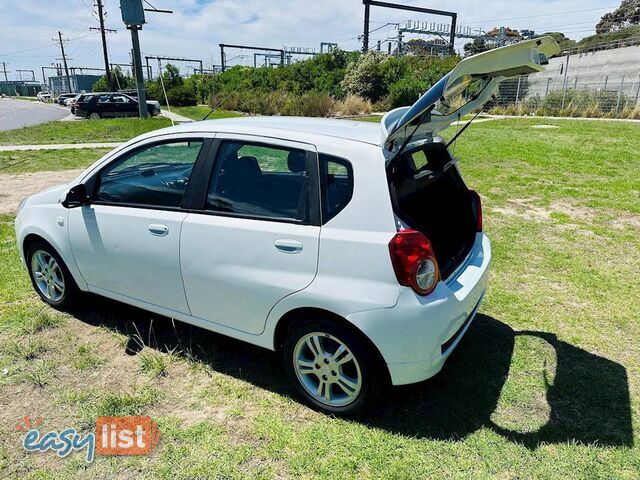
(50, 276)
(331, 367)
(94, 116)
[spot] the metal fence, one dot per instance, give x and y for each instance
(586, 83)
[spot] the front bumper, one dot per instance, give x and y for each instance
(417, 334)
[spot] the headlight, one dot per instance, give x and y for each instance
(22, 203)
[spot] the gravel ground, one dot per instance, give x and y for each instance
(15, 186)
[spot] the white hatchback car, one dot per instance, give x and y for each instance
(355, 249)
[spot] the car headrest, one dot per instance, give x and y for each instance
(248, 166)
(297, 161)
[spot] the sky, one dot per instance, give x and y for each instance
(196, 27)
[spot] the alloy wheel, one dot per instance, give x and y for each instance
(47, 275)
(327, 369)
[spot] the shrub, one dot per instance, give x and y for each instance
(181, 96)
(405, 92)
(310, 104)
(314, 104)
(364, 77)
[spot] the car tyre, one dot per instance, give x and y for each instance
(331, 367)
(94, 116)
(50, 276)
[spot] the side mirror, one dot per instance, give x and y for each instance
(76, 197)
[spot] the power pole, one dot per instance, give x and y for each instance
(4, 68)
(64, 59)
(137, 66)
(365, 38)
(104, 43)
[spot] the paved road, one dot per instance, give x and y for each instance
(20, 113)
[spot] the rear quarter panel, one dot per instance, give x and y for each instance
(354, 268)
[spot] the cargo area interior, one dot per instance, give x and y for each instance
(430, 196)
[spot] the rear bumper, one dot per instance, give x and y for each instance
(417, 334)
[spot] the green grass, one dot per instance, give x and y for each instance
(546, 383)
(154, 363)
(197, 112)
(106, 130)
(86, 358)
(48, 160)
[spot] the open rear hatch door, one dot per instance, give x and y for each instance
(471, 84)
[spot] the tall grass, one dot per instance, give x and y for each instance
(309, 104)
(574, 103)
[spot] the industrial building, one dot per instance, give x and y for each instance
(19, 87)
(79, 83)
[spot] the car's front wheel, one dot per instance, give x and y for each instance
(332, 368)
(50, 276)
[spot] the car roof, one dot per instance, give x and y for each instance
(287, 127)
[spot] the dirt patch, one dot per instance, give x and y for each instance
(543, 127)
(16, 186)
(526, 209)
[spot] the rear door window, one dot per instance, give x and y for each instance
(261, 181)
(336, 185)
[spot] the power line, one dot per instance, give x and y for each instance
(542, 15)
(43, 46)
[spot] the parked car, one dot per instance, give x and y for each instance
(64, 97)
(106, 105)
(70, 101)
(354, 249)
(43, 96)
(80, 98)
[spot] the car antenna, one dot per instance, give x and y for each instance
(166, 99)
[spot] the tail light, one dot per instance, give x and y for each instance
(477, 203)
(414, 261)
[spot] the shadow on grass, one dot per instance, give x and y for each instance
(588, 399)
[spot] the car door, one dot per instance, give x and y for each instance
(123, 105)
(254, 237)
(105, 106)
(126, 241)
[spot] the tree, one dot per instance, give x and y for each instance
(419, 46)
(178, 92)
(626, 15)
(511, 34)
(564, 42)
(118, 78)
(171, 76)
(478, 45)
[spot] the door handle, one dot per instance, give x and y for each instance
(288, 246)
(158, 230)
